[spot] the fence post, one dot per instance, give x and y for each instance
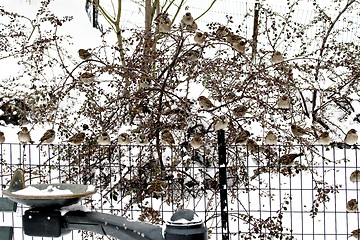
(223, 185)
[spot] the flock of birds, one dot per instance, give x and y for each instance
(239, 44)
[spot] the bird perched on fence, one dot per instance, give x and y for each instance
(240, 111)
(77, 139)
(221, 123)
(205, 103)
(196, 141)
(355, 176)
(355, 234)
(24, 136)
(2, 137)
(351, 137)
(252, 146)
(270, 138)
(124, 139)
(352, 205)
(167, 138)
(277, 57)
(297, 130)
(164, 23)
(104, 139)
(84, 54)
(48, 137)
(187, 19)
(324, 138)
(199, 37)
(239, 46)
(142, 140)
(242, 137)
(288, 159)
(284, 102)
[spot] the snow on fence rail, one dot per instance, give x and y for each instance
(266, 200)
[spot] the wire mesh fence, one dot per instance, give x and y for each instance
(267, 197)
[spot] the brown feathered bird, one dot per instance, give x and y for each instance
(355, 234)
(240, 111)
(351, 137)
(352, 205)
(2, 137)
(167, 138)
(355, 176)
(124, 139)
(84, 54)
(205, 103)
(24, 136)
(199, 37)
(196, 141)
(242, 137)
(277, 57)
(77, 139)
(48, 137)
(288, 159)
(324, 138)
(297, 131)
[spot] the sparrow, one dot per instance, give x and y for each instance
(221, 32)
(124, 139)
(355, 234)
(288, 159)
(351, 137)
(192, 55)
(221, 123)
(187, 19)
(240, 111)
(24, 136)
(324, 138)
(142, 140)
(104, 139)
(84, 54)
(2, 137)
(196, 141)
(355, 176)
(352, 205)
(284, 102)
(145, 83)
(199, 37)
(164, 24)
(270, 138)
(297, 131)
(167, 138)
(48, 137)
(239, 46)
(87, 77)
(242, 137)
(191, 27)
(277, 57)
(232, 38)
(77, 139)
(205, 103)
(252, 146)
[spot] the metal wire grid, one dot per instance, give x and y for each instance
(304, 201)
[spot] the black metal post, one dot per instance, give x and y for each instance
(223, 185)
(255, 32)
